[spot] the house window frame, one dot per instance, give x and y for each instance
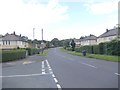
(9, 42)
(3, 43)
(6, 42)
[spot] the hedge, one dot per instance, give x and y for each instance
(10, 55)
(32, 51)
(108, 48)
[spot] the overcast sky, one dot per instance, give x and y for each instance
(60, 19)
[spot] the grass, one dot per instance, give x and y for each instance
(45, 53)
(96, 56)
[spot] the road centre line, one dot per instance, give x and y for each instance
(55, 79)
(59, 87)
(39, 74)
(89, 65)
(43, 67)
(53, 75)
(42, 64)
(117, 74)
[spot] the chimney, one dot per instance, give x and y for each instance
(90, 34)
(107, 30)
(6, 34)
(20, 35)
(14, 33)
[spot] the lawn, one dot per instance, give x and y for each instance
(97, 56)
(45, 53)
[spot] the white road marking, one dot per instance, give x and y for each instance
(43, 67)
(42, 64)
(43, 70)
(39, 74)
(27, 62)
(117, 74)
(59, 87)
(50, 69)
(53, 75)
(51, 72)
(89, 65)
(56, 81)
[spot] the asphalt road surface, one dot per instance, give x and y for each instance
(60, 70)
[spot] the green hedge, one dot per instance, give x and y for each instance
(109, 48)
(32, 51)
(10, 55)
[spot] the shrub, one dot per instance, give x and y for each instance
(32, 51)
(109, 48)
(10, 55)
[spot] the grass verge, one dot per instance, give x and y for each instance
(96, 56)
(45, 53)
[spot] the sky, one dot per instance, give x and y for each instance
(62, 19)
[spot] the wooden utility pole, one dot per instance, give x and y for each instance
(33, 37)
(42, 41)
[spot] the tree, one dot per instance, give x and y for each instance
(73, 45)
(55, 42)
(66, 43)
(47, 44)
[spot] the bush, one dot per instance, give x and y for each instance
(69, 48)
(10, 55)
(109, 48)
(32, 51)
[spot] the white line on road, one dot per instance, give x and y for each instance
(53, 75)
(56, 81)
(59, 87)
(43, 67)
(117, 74)
(51, 72)
(89, 65)
(39, 74)
(42, 64)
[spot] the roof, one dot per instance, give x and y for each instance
(76, 40)
(90, 37)
(0, 35)
(108, 33)
(12, 37)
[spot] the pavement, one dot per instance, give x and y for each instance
(59, 70)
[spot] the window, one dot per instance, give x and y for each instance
(6, 42)
(3, 43)
(9, 42)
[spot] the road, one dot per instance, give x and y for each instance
(60, 70)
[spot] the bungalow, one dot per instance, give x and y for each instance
(107, 36)
(10, 41)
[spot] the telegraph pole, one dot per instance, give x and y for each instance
(42, 41)
(33, 37)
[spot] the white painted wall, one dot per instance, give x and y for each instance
(13, 44)
(88, 42)
(105, 39)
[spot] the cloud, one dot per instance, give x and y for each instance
(101, 7)
(22, 15)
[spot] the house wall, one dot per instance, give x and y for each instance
(88, 42)
(105, 39)
(13, 44)
(78, 43)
